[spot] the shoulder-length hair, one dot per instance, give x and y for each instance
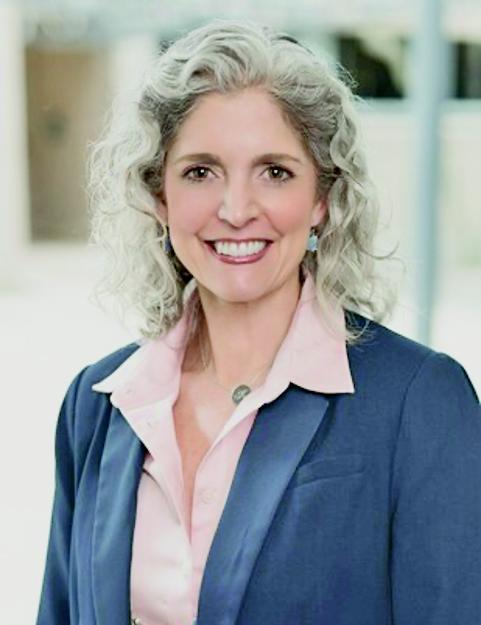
(126, 170)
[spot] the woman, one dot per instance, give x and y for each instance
(266, 454)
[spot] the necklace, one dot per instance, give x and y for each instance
(240, 391)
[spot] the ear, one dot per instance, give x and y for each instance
(161, 208)
(319, 212)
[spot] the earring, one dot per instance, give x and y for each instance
(312, 241)
(166, 244)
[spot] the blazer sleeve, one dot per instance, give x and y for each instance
(54, 608)
(435, 558)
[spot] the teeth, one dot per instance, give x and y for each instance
(239, 249)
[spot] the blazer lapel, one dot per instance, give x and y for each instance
(280, 435)
(115, 510)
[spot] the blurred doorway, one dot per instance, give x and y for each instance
(67, 95)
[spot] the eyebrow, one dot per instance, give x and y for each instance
(212, 159)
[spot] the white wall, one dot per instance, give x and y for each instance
(14, 226)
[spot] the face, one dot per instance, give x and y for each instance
(239, 197)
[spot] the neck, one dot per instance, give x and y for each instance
(242, 339)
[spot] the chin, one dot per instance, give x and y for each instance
(236, 294)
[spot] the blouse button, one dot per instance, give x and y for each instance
(208, 495)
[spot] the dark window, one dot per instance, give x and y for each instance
(468, 70)
(372, 73)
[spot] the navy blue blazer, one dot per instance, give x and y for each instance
(345, 509)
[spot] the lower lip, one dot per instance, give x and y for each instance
(239, 260)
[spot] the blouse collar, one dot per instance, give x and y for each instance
(310, 356)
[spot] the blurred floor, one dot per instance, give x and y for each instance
(50, 331)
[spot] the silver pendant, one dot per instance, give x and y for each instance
(239, 393)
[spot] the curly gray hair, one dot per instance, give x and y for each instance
(126, 170)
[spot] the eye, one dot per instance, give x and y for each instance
(280, 174)
(198, 169)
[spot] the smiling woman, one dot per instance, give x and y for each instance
(239, 202)
(267, 453)
(226, 88)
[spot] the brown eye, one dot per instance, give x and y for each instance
(200, 173)
(279, 174)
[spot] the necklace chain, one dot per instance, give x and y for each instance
(238, 392)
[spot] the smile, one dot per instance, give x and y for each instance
(239, 252)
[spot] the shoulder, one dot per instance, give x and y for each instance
(84, 414)
(83, 411)
(380, 342)
(79, 395)
(106, 365)
(386, 362)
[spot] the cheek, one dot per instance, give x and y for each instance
(291, 213)
(190, 211)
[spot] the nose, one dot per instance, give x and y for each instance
(239, 205)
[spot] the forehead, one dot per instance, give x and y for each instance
(249, 119)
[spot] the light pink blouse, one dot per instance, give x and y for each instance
(168, 563)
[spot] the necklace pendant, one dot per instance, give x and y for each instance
(239, 393)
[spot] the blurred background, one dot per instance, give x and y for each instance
(416, 64)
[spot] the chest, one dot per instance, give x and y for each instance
(199, 414)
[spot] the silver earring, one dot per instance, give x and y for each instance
(312, 241)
